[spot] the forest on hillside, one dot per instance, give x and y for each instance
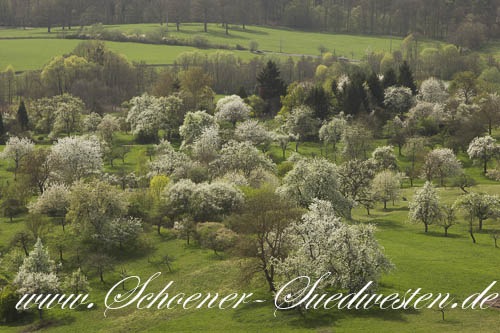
(465, 22)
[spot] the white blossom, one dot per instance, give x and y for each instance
(37, 273)
(441, 163)
(233, 112)
(483, 149)
(398, 99)
(194, 125)
(425, 207)
(76, 157)
(253, 131)
(432, 90)
(240, 156)
(321, 243)
(16, 149)
(206, 146)
(314, 179)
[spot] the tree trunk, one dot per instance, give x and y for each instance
(385, 205)
(426, 227)
(472, 236)
(480, 224)
(101, 276)
(61, 254)
(270, 281)
(485, 166)
(297, 147)
(159, 229)
(445, 232)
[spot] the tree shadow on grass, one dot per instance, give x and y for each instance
(395, 209)
(440, 235)
(312, 319)
(386, 224)
(248, 30)
(316, 318)
(43, 324)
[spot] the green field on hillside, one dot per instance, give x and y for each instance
(26, 54)
(29, 54)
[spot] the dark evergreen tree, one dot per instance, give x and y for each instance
(319, 100)
(176, 85)
(405, 78)
(376, 88)
(242, 92)
(22, 116)
(390, 78)
(270, 85)
(354, 99)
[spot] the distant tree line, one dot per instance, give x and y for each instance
(468, 21)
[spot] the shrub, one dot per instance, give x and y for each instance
(254, 46)
(8, 301)
(284, 168)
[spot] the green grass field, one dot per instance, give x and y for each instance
(27, 54)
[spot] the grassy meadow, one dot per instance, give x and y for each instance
(430, 261)
(26, 54)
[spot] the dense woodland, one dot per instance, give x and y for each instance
(439, 19)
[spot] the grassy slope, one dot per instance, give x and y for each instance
(33, 54)
(429, 261)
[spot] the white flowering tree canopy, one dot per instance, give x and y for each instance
(386, 187)
(241, 156)
(53, 202)
(68, 118)
(194, 125)
(233, 111)
(302, 123)
(76, 283)
(16, 149)
(253, 131)
(123, 230)
(91, 122)
(205, 148)
(228, 99)
(106, 128)
(398, 100)
(385, 158)
(483, 149)
(441, 163)
(426, 110)
(203, 202)
(425, 207)
(76, 158)
(168, 160)
(321, 242)
(146, 116)
(331, 132)
(432, 90)
(37, 273)
(312, 179)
